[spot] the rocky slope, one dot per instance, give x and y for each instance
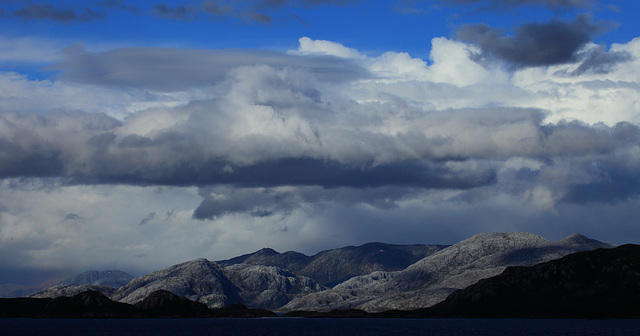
(433, 278)
(603, 283)
(291, 261)
(67, 290)
(198, 280)
(269, 287)
(332, 267)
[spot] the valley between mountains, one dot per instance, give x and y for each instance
(374, 277)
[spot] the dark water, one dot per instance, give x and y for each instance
(331, 327)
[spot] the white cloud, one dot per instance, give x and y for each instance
(322, 47)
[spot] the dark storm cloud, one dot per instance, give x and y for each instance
(179, 69)
(263, 202)
(50, 12)
(306, 171)
(533, 44)
(111, 169)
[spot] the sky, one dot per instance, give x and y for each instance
(135, 135)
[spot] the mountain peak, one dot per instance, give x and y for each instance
(579, 239)
(266, 252)
(198, 261)
(212, 287)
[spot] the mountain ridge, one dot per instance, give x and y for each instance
(333, 266)
(433, 278)
(255, 280)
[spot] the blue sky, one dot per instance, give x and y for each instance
(136, 135)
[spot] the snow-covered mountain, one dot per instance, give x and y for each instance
(433, 278)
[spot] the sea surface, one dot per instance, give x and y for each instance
(331, 327)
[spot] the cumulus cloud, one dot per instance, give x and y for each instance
(533, 44)
(321, 47)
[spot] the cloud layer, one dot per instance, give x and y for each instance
(225, 151)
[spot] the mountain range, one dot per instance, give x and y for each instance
(373, 277)
(602, 283)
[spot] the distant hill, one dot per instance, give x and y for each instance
(105, 282)
(110, 278)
